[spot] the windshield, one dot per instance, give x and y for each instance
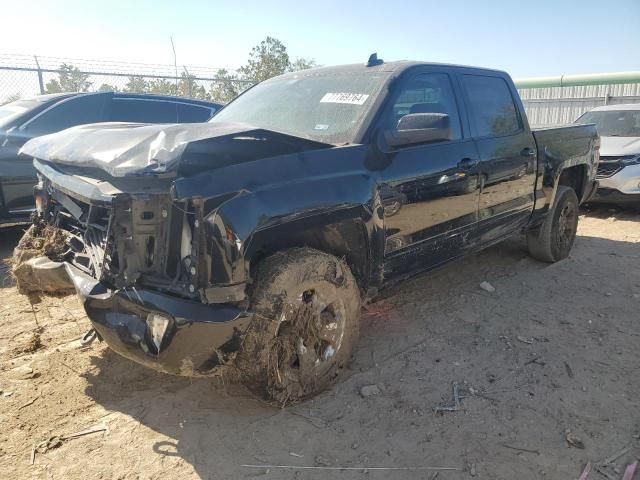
(328, 109)
(13, 110)
(614, 123)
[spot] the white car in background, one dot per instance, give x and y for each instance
(619, 169)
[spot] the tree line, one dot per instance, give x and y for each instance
(266, 60)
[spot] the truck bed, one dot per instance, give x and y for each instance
(559, 149)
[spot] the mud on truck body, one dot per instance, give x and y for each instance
(250, 241)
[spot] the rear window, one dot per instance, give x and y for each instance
(614, 123)
(14, 110)
(141, 110)
(492, 109)
(69, 113)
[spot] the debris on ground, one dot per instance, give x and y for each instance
(585, 473)
(456, 402)
(537, 361)
(33, 344)
(630, 471)
(23, 372)
(487, 287)
(614, 456)
(345, 468)
(522, 339)
(574, 441)
(57, 441)
(378, 309)
(569, 370)
(369, 391)
(520, 449)
(40, 242)
(30, 402)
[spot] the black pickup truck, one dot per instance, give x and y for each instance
(249, 242)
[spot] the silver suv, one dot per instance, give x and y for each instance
(619, 169)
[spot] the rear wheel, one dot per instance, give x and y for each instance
(306, 307)
(553, 240)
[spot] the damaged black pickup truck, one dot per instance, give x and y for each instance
(249, 242)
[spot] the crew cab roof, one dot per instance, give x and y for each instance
(395, 68)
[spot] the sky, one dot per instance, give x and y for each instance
(525, 38)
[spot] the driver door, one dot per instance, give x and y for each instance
(430, 191)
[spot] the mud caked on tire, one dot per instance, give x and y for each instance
(306, 306)
(552, 241)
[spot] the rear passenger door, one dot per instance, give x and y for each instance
(429, 191)
(507, 154)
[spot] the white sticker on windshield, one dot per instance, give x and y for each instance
(350, 98)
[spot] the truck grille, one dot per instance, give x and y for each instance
(89, 237)
(609, 166)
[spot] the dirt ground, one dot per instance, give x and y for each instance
(553, 354)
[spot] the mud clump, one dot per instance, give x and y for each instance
(33, 344)
(40, 240)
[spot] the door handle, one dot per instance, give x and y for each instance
(528, 152)
(467, 163)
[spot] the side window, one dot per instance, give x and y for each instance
(491, 107)
(426, 93)
(194, 113)
(139, 110)
(72, 112)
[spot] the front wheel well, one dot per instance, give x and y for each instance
(347, 240)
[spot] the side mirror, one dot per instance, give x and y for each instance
(416, 128)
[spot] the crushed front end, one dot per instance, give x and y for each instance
(140, 262)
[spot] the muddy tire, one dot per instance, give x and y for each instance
(552, 241)
(306, 307)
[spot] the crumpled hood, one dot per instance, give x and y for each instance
(619, 146)
(123, 149)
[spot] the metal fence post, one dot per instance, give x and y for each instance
(189, 81)
(40, 80)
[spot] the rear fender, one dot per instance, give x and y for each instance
(558, 155)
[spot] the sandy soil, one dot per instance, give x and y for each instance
(552, 353)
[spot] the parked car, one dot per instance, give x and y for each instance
(25, 119)
(249, 242)
(619, 170)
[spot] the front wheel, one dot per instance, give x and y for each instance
(552, 241)
(306, 307)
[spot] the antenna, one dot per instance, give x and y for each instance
(374, 60)
(175, 61)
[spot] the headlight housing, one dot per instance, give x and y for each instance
(157, 327)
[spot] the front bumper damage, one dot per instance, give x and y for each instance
(196, 339)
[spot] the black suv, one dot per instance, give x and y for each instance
(25, 119)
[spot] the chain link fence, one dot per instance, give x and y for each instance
(23, 76)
